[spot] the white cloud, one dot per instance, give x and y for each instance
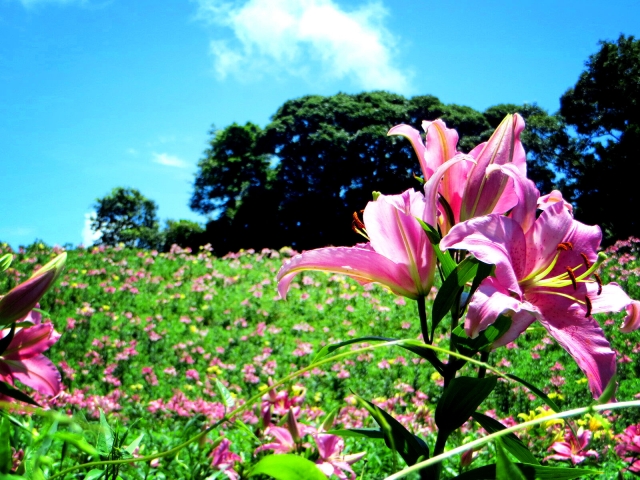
(169, 160)
(88, 235)
(276, 36)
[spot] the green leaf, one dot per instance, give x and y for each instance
(530, 472)
(77, 441)
(287, 467)
(225, 395)
(5, 261)
(411, 448)
(8, 476)
(512, 443)
(450, 290)
(446, 262)
(505, 468)
(105, 437)
(485, 338)
(9, 391)
(327, 349)
(539, 393)
(133, 445)
(484, 270)
(6, 457)
(94, 474)
(460, 400)
(358, 432)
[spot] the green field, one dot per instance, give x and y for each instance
(145, 336)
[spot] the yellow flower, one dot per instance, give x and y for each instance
(542, 412)
(106, 307)
(581, 381)
(435, 376)
(193, 329)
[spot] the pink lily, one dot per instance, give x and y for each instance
(398, 254)
(573, 448)
(628, 447)
(469, 190)
(21, 299)
(545, 270)
(23, 359)
(223, 459)
(331, 462)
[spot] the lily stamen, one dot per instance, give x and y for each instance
(358, 226)
(599, 280)
(587, 263)
(588, 303)
(573, 278)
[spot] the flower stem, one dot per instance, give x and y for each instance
(422, 311)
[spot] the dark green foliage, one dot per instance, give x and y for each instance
(126, 216)
(299, 181)
(183, 233)
(603, 107)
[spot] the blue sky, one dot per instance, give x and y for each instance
(96, 94)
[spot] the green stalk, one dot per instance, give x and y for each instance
(486, 439)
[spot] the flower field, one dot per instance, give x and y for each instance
(147, 336)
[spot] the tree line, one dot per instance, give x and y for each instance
(298, 180)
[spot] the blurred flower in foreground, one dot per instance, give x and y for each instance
(22, 359)
(21, 299)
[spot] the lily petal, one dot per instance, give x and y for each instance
(482, 193)
(581, 337)
(31, 341)
(362, 264)
(415, 138)
(492, 239)
(36, 372)
(632, 320)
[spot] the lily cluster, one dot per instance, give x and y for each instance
(545, 263)
(24, 337)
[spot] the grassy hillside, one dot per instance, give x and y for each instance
(145, 336)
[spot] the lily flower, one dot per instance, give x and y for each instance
(469, 190)
(398, 254)
(21, 299)
(545, 270)
(331, 462)
(573, 448)
(23, 360)
(223, 459)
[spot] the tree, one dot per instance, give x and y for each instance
(299, 180)
(183, 233)
(604, 109)
(126, 216)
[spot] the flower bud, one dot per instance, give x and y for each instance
(292, 426)
(22, 298)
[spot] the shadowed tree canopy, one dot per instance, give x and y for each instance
(604, 109)
(126, 216)
(299, 180)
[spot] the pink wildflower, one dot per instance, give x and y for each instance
(573, 448)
